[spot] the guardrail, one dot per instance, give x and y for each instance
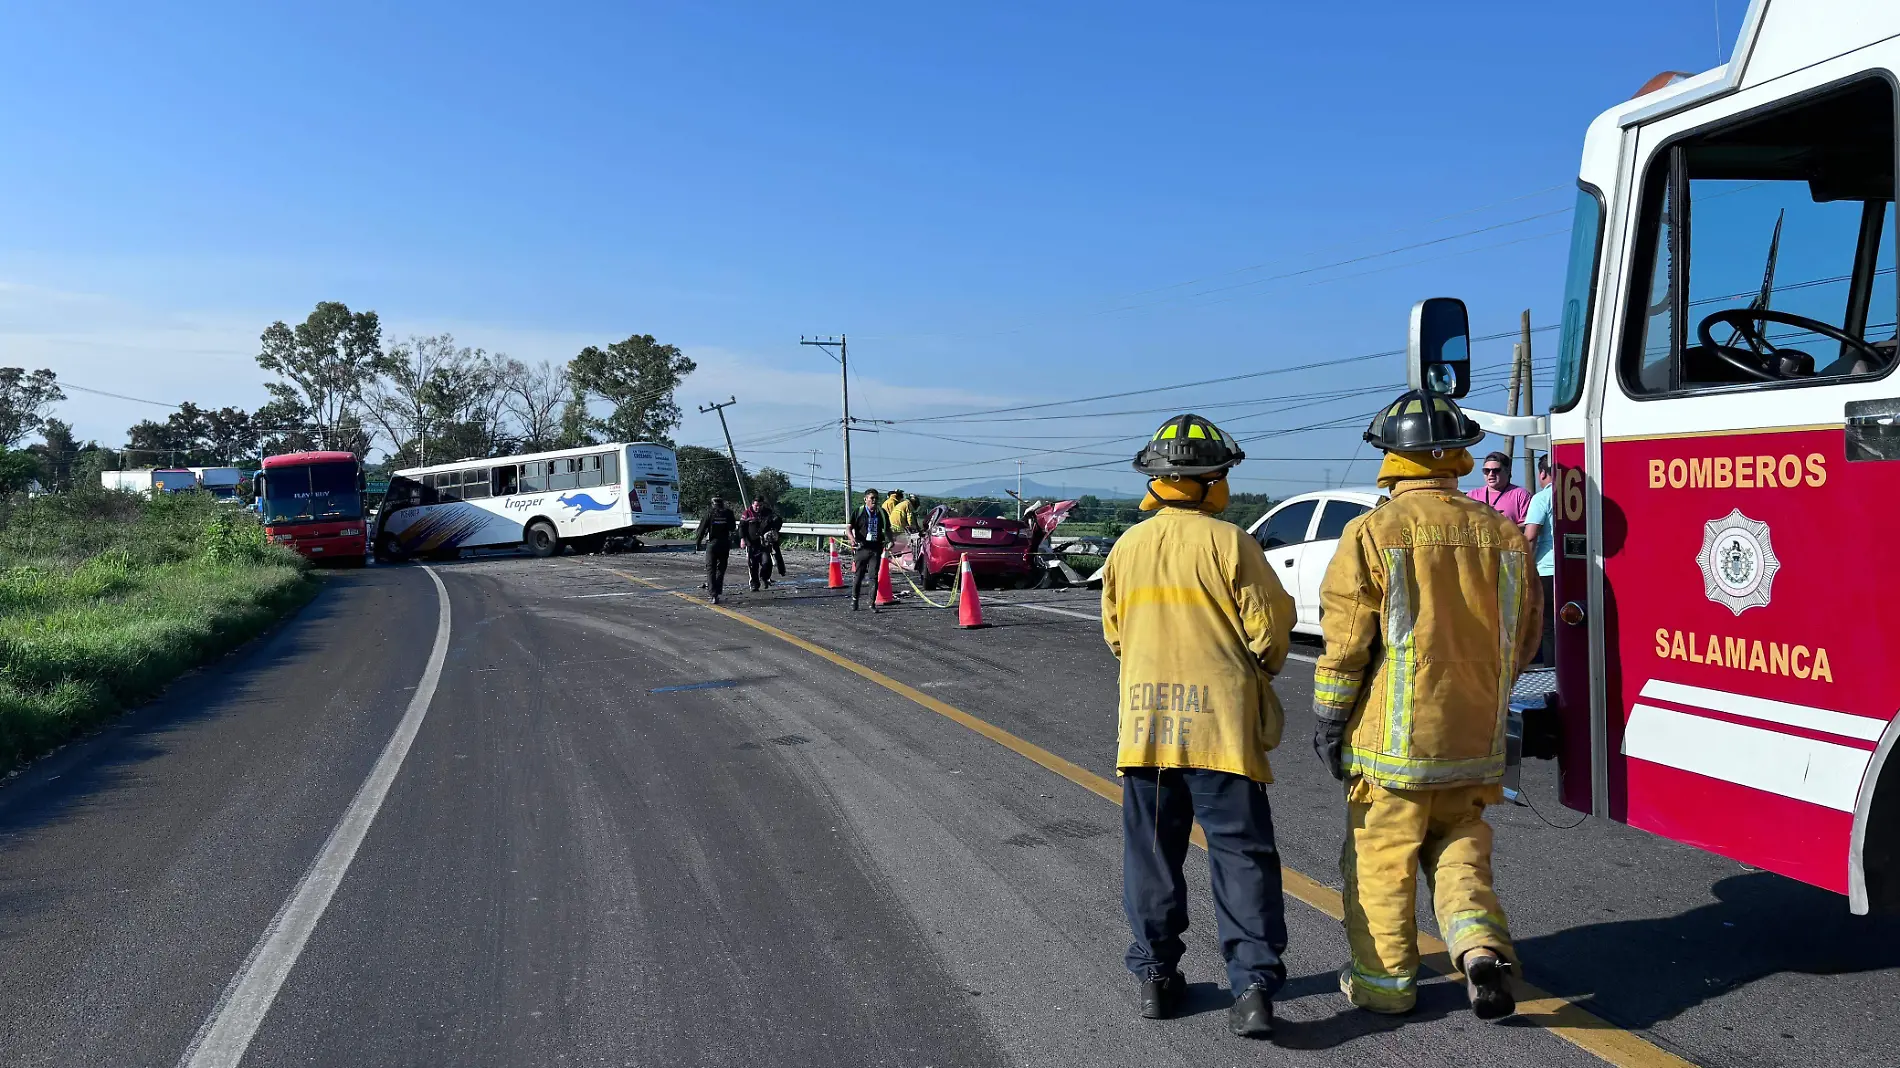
(817, 532)
(813, 530)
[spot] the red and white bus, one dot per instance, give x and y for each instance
(1725, 426)
(313, 503)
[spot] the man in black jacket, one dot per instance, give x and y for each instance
(715, 536)
(769, 522)
(868, 539)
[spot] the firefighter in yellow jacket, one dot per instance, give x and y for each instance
(1201, 627)
(1430, 609)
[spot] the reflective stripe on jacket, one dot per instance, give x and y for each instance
(1201, 625)
(1430, 608)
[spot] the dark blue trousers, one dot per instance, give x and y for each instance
(1159, 807)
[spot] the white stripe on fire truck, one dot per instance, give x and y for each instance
(1806, 769)
(1736, 704)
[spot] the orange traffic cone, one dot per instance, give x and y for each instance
(884, 594)
(969, 608)
(835, 580)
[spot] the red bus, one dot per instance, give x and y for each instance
(1725, 431)
(313, 503)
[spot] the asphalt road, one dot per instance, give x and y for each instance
(630, 830)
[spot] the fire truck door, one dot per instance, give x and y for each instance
(1746, 643)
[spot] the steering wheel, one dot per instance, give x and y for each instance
(1758, 361)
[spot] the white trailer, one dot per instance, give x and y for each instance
(150, 480)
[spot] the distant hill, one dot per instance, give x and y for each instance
(1032, 489)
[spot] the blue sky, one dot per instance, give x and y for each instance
(999, 203)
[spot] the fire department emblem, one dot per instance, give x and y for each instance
(1738, 562)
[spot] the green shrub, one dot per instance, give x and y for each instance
(106, 597)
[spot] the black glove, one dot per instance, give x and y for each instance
(1327, 740)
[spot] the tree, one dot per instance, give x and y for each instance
(228, 436)
(637, 377)
(534, 397)
(771, 484)
(435, 402)
(193, 436)
(705, 473)
(57, 453)
(24, 401)
(18, 470)
(324, 365)
(1088, 508)
(576, 420)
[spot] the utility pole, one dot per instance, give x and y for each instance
(811, 481)
(737, 475)
(1530, 402)
(1019, 489)
(844, 380)
(1517, 372)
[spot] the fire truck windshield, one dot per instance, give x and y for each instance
(309, 493)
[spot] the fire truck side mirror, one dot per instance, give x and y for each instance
(1438, 350)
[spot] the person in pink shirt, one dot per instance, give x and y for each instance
(1497, 491)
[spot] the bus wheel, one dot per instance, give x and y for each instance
(388, 552)
(541, 539)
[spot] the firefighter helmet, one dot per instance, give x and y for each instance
(1187, 446)
(1422, 421)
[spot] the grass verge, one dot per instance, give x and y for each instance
(105, 598)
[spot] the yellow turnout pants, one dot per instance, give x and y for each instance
(1391, 834)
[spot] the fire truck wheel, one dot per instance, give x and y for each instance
(541, 538)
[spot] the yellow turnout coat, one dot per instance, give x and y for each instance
(1430, 609)
(1201, 626)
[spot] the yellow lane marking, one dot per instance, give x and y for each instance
(1566, 1020)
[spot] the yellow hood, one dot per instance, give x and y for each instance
(1211, 499)
(1399, 466)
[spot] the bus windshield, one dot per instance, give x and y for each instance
(312, 493)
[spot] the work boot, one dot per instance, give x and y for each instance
(854, 604)
(1251, 1015)
(715, 598)
(1488, 982)
(1161, 994)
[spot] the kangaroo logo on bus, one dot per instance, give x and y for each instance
(581, 502)
(1738, 562)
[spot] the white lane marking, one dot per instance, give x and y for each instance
(227, 1032)
(1793, 715)
(1806, 769)
(1048, 609)
(618, 593)
(1307, 657)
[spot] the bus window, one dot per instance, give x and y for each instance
(448, 485)
(504, 480)
(565, 476)
(1769, 251)
(534, 476)
(589, 471)
(474, 484)
(610, 469)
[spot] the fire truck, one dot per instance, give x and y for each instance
(1725, 430)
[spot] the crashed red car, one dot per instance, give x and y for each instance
(1001, 551)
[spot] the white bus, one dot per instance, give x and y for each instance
(541, 501)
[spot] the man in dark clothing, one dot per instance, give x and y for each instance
(869, 536)
(769, 523)
(715, 536)
(758, 526)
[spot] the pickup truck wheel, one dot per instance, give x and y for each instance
(541, 539)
